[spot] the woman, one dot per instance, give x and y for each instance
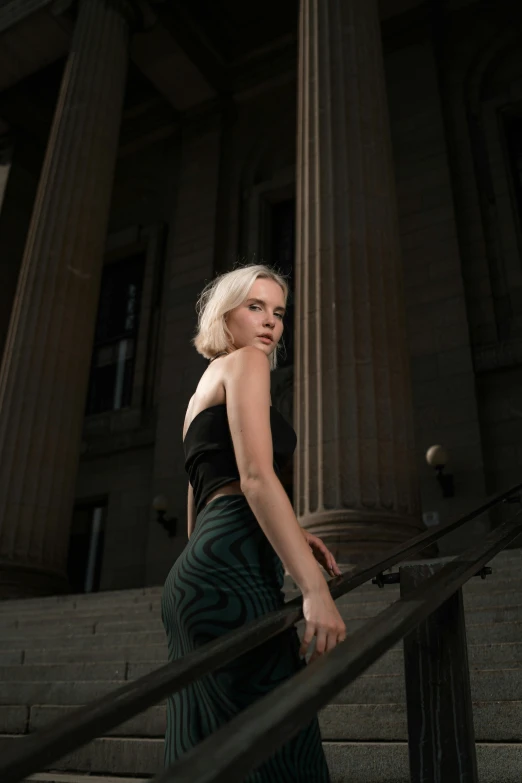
(242, 528)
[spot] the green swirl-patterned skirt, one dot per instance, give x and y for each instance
(227, 575)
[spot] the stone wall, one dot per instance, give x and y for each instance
(444, 396)
(483, 84)
(118, 449)
(124, 479)
(189, 264)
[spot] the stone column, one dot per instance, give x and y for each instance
(15, 216)
(355, 476)
(46, 363)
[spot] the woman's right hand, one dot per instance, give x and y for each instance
(323, 622)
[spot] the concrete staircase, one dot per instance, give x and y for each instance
(64, 651)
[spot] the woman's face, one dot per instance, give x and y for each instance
(260, 314)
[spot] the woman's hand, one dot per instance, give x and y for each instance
(322, 554)
(321, 615)
(323, 622)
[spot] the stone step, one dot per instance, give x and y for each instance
(25, 616)
(117, 597)
(87, 610)
(472, 600)
(81, 641)
(512, 553)
(500, 581)
(22, 719)
(142, 625)
(65, 777)
(488, 655)
(474, 616)
(150, 723)
(349, 762)
(79, 648)
(507, 565)
(117, 603)
(375, 762)
(11, 657)
(480, 633)
(97, 604)
(14, 719)
(473, 590)
(13, 637)
(132, 663)
(47, 622)
(108, 755)
(127, 652)
(76, 621)
(486, 684)
(483, 656)
(68, 672)
(29, 693)
(494, 721)
(115, 632)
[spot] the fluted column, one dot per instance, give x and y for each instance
(355, 477)
(44, 373)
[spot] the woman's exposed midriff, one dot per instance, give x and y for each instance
(234, 488)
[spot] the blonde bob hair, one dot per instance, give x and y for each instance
(222, 295)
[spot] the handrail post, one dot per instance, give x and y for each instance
(441, 736)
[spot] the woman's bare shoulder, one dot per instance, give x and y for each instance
(212, 387)
(249, 356)
(247, 377)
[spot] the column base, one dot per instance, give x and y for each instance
(358, 538)
(25, 582)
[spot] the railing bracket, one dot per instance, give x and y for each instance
(484, 572)
(387, 579)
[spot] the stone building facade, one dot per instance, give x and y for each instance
(372, 151)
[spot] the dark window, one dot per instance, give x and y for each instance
(114, 351)
(86, 547)
(282, 252)
(513, 131)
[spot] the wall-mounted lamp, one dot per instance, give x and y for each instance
(437, 457)
(160, 505)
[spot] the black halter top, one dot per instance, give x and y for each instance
(209, 452)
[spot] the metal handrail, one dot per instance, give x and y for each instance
(254, 735)
(98, 717)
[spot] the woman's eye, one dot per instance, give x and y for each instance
(256, 307)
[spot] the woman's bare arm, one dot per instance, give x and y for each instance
(247, 386)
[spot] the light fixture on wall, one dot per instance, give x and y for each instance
(437, 457)
(160, 505)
